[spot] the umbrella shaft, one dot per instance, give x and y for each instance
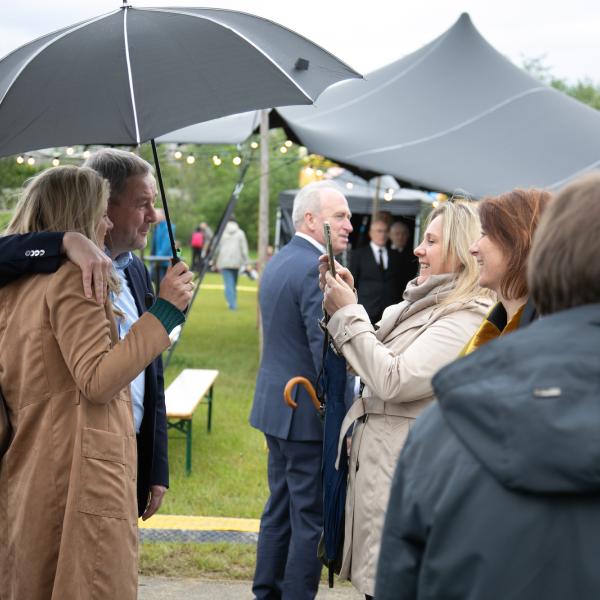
(164, 201)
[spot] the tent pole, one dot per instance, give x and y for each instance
(263, 210)
(164, 201)
(375, 208)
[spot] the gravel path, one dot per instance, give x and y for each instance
(166, 588)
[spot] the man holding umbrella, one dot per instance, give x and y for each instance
(131, 209)
(290, 302)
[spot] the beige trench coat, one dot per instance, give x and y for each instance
(396, 363)
(68, 512)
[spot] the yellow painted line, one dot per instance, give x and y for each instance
(216, 286)
(200, 523)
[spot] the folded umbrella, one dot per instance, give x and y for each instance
(332, 408)
(334, 478)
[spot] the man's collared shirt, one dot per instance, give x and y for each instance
(312, 240)
(380, 251)
(126, 304)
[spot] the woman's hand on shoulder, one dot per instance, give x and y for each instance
(92, 260)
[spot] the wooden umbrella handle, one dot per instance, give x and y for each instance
(289, 386)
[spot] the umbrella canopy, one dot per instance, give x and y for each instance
(334, 480)
(233, 129)
(136, 73)
(454, 114)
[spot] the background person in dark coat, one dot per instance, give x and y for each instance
(380, 275)
(399, 237)
(290, 304)
(497, 493)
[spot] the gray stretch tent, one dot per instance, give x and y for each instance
(454, 114)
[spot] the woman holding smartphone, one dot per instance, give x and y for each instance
(396, 360)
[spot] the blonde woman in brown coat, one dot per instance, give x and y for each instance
(68, 511)
(396, 361)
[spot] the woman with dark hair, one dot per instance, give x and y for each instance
(508, 223)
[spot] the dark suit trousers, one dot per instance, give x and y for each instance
(287, 566)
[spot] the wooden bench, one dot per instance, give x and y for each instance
(182, 397)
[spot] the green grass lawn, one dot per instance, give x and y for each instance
(202, 560)
(229, 473)
(229, 464)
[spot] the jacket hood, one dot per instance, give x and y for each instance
(231, 228)
(527, 406)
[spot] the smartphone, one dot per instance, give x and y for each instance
(329, 247)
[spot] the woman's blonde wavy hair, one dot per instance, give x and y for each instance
(66, 198)
(460, 228)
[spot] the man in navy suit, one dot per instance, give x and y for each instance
(287, 566)
(131, 209)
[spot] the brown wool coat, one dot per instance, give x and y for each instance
(68, 511)
(396, 363)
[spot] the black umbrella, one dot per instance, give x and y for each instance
(137, 73)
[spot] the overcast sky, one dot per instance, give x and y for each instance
(369, 34)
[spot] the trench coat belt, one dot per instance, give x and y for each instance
(362, 407)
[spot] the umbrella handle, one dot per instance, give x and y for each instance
(289, 386)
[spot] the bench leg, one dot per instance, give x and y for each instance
(184, 426)
(188, 447)
(209, 399)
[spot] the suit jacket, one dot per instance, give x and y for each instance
(153, 463)
(379, 289)
(290, 305)
(16, 259)
(29, 253)
(68, 510)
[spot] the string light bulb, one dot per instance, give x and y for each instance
(190, 160)
(70, 151)
(237, 161)
(31, 161)
(283, 149)
(86, 154)
(20, 160)
(254, 145)
(388, 196)
(216, 161)
(349, 185)
(178, 154)
(288, 143)
(55, 161)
